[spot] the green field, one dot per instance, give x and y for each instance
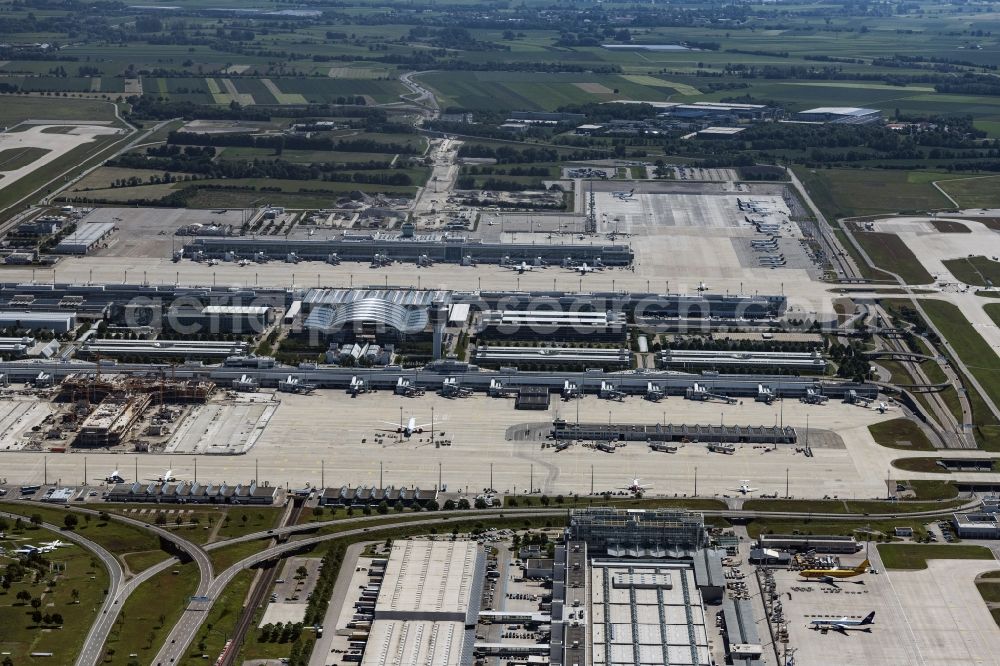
(148, 615)
(977, 270)
(116, 537)
(911, 556)
(978, 192)
(857, 192)
(900, 434)
(975, 352)
(888, 251)
(929, 465)
(17, 158)
(15, 109)
(78, 570)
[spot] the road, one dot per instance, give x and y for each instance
(340, 589)
(842, 261)
(95, 637)
(91, 652)
(184, 631)
(420, 95)
(915, 302)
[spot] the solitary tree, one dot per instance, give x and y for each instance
(70, 521)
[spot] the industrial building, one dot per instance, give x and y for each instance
(566, 356)
(32, 320)
(16, 347)
(85, 238)
(821, 543)
(718, 111)
(719, 132)
(215, 319)
(840, 115)
(739, 633)
(646, 613)
(94, 387)
(976, 525)
(552, 324)
(183, 349)
(734, 434)
(349, 496)
(427, 605)
(707, 359)
(193, 492)
(708, 574)
(639, 533)
(379, 247)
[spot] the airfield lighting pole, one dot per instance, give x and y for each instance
(432, 425)
(45, 470)
(439, 476)
(196, 470)
(591, 480)
(85, 470)
(256, 471)
(491, 477)
(137, 469)
(531, 481)
(696, 481)
(786, 483)
(322, 474)
(400, 419)
(380, 474)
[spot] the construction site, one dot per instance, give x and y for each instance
(121, 412)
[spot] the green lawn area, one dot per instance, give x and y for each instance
(843, 506)
(989, 586)
(912, 556)
(857, 528)
(976, 270)
(149, 613)
(247, 520)
(116, 537)
(222, 619)
(975, 192)
(888, 251)
(225, 557)
(78, 570)
(979, 357)
(854, 192)
(18, 108)
(929, 465)
(900, 434)
(16, 158)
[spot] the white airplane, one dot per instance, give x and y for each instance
(745, 488)
(166, 478)
(409, 429)
(882, 408)
(213, 262)
(114, 477)
(702, 286)
(27, 550)
(636, 487)
(624, 196)
(522, 267)
(843, 624)
(585, 268)
(54, 544)
(244, 262)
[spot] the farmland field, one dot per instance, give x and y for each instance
(855, 192)
(978, 192)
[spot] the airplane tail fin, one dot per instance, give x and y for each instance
(869, 619)
(863, 567)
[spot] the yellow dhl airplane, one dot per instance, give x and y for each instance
(829, 575)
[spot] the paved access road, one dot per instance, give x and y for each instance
(88, 653)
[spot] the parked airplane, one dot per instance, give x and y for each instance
(745, 488)
(45, 547)
(882, 408)
(624, 196)
(55, 544)
(409, 429)
(522, 267)
(585, 268)
(843, 624)
(831, 575)
(636, 487)
(702, 286)
(166, 478)
(114, 477)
